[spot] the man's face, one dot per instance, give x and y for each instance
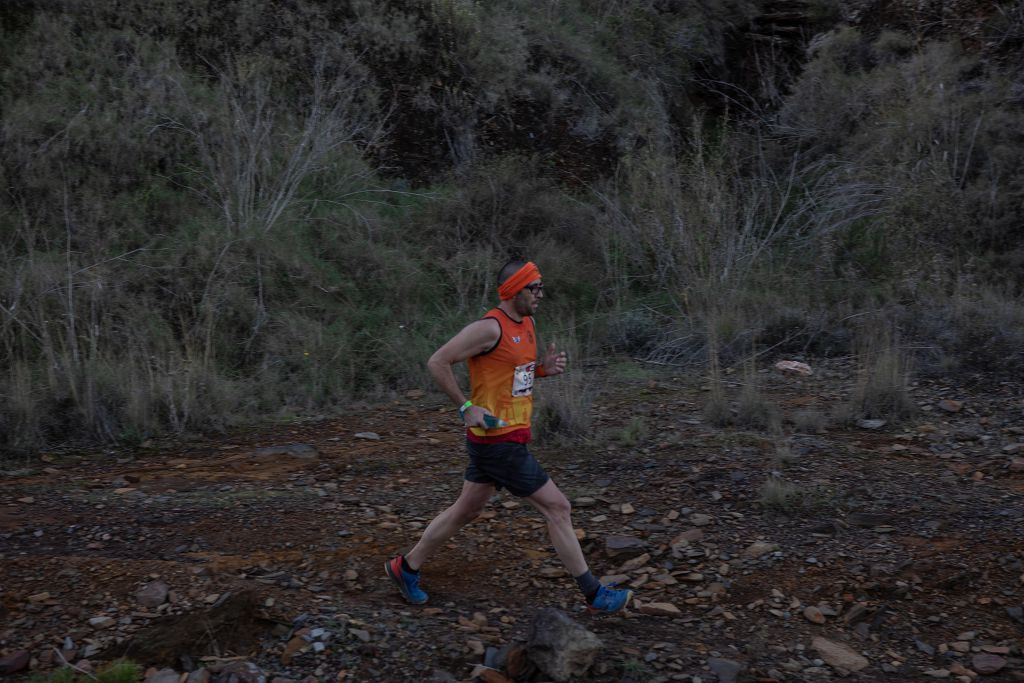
(529, 298)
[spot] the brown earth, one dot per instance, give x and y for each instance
(909, 539)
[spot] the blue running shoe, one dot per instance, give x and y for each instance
(408, 584)
(609, 600)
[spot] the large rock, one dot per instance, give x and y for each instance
(559, 646)
(838, 655)
(233, 623)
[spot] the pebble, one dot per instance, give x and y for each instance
(153, 594)
(838, 655)
(660, 609)
(102, 622)
(699, 519)
(987, 664)
(726, 669)
(937, 673)
(621, 545)
(14, 662)
(163, 676)
(759, 548)
(951, 406)
(814, 615)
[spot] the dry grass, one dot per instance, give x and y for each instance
(716, 408)
(783, 456)
(634, 433)
(185, 243)
(786, 497)
(810, 421)
(882, 391)
(562, 413)
(755, 411)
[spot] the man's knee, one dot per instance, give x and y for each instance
(468, 510)
(557, 507)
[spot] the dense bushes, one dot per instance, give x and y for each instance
(214, 214)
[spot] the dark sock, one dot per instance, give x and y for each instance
(407, 568)
(589, 584)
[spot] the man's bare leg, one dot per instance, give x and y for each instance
(555, 507)
(468, 507)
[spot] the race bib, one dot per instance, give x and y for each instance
(522, 381)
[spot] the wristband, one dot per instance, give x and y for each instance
(540, 371)
(462, 409)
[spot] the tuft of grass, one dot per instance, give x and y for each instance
(118, 671)
(810, 421)
(625, 370)
(562, 414)
(783, 456)
(64, 675)
(633, 669)
(754, 410)
(789, 498)
(882, 386)
(634, 433)
(716, 410)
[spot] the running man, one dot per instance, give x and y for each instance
(501, 351)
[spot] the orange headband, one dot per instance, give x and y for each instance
(512, 286)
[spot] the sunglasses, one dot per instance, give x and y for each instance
(535, 289)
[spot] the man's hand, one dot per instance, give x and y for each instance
(554, 361)
(474, 416)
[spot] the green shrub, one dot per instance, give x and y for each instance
(118, 671)
(200, 228)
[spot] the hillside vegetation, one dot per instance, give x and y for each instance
(215, 213)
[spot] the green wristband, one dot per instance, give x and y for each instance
(462, 410)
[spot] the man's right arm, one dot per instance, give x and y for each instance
(475, 338)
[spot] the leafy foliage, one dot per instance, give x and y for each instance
(216, 213)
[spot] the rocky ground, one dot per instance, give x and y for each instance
(890, 553)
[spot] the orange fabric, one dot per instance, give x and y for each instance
(501, 379)
(522, 277)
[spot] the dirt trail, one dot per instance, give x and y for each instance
(908, 539)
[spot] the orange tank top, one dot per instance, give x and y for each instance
(501, 379)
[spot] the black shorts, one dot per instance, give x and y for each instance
(508, 465)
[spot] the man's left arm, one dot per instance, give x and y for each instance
(552, 362)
